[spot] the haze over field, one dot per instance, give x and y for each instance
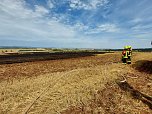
(76, 23)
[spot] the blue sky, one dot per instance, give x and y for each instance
(76, 23)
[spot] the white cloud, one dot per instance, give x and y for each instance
(142, 28)
(40, 10)
(136, 20)
(96, 3)
(18, 22)
(87, 5)
(108, 28)
(50, 4)
(80, 27)
(111, 28)
(19, 9)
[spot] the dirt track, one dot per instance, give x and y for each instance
(73, 86)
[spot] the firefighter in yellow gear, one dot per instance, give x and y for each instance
(129, 54)
(126, 55)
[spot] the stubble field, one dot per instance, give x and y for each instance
(84, 85)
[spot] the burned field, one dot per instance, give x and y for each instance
(39, 67)
(42, 56)
(86, 84)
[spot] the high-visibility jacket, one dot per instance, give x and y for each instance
(129, 53)
(124, 54)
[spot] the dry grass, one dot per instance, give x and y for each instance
(65, 89)
(80, 90)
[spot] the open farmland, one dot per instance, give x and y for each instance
(39, 56)
(76, 85)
